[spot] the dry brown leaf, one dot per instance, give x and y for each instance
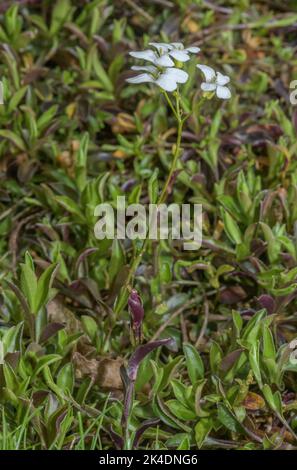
(219, 228)
(58, 313)
(104, 372)
(232, 295)
(119, 154)
(252, 41)
(253, 401)
(85, 367)
(109, 374)
(190, 25)
(123, 123)
(70, 110)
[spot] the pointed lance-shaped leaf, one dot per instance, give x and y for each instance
(141, 352)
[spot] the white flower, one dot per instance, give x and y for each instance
(164, 53)
(215, 81)
(167, 78)
(175, 50)
(151, 56)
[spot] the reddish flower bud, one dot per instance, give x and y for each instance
(137, 314)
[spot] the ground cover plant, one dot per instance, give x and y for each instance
(140, 344)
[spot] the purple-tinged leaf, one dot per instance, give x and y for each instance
(87, 252)
(124, 377)
(145, 425)
(141, 352)
(128, 185)
(39, 396)
(12, 358)
(267, 302)
(128, 404)
(295, 120)
(59, 420)
(50, 330)
(44, 284)
(116, 439)
(229, 360)
(23, 301)
(232, 295)
(21, 298)
(247, 313)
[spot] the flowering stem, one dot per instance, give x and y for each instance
(128, 403)
(171, 105)
(123, 297)
(180, 122)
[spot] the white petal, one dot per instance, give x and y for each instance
(177, 45)
(181, 56)
(142, 78)
(161, 46)
(164, 61)
(193, 49)
(166, 82)
(145, 68)
(208, 86)
(208, 72)
(222, 79)
(223, 92)
(180, 76)
(145, 55)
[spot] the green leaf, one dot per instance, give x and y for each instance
(231, 228)
(81, 163)
(238, 322)
(153, 187)
(65, 378)
(99, 70)
(163, 412)
(71, 207)
(44, 284)
(228, 419)
(45, 119)
(252, 329)
(60, 15)
(180, 411)
(89, 326)
(180, 391)
(16, 98)
(184, 444)
(14, 138)
(273, 245)
(45, 361)
(215, 356)
(194, 363)
(168, 372)
(117, 259)
(29, 286)
(12, 339)
(202, 429)
(10, 377)
(268, 343)
(254, 358)
(273, 400)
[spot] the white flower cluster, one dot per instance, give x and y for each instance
(163, 70)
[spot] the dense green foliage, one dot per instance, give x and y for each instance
(74, 134)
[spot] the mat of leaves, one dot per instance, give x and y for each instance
(74, 135)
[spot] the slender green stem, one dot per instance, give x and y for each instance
(171, 105)
(122, 299)
(164, 192)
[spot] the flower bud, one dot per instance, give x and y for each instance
(137, 314)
